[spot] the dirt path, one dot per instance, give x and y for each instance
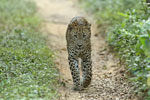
(109, 82)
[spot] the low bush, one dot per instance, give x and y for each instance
(131, 40)
(108, 12)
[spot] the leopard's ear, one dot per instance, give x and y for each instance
(73, 24)
(70, 27)
(89, 26)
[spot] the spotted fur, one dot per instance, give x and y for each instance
(79, 46)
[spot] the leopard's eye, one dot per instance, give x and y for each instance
(84, 35)
(75, 35)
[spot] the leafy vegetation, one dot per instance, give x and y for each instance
(108, 12)
(128, 34)
(26, 63)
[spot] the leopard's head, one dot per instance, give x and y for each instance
(80, 32)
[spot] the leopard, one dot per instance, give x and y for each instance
(78, 37)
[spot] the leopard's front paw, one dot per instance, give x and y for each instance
(77, 88)
(85, 83)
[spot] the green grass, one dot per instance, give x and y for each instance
(27, 70)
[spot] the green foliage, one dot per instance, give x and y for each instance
(132, 41)
(26, 63)
(129, 35)
(107, 12)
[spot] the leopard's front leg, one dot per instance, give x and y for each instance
(86, 66)
(73, 62)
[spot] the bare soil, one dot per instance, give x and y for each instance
(109, 77)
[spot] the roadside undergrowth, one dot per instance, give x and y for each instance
(27, 70)
(128, 33)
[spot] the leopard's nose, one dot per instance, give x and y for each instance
(79, 45)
